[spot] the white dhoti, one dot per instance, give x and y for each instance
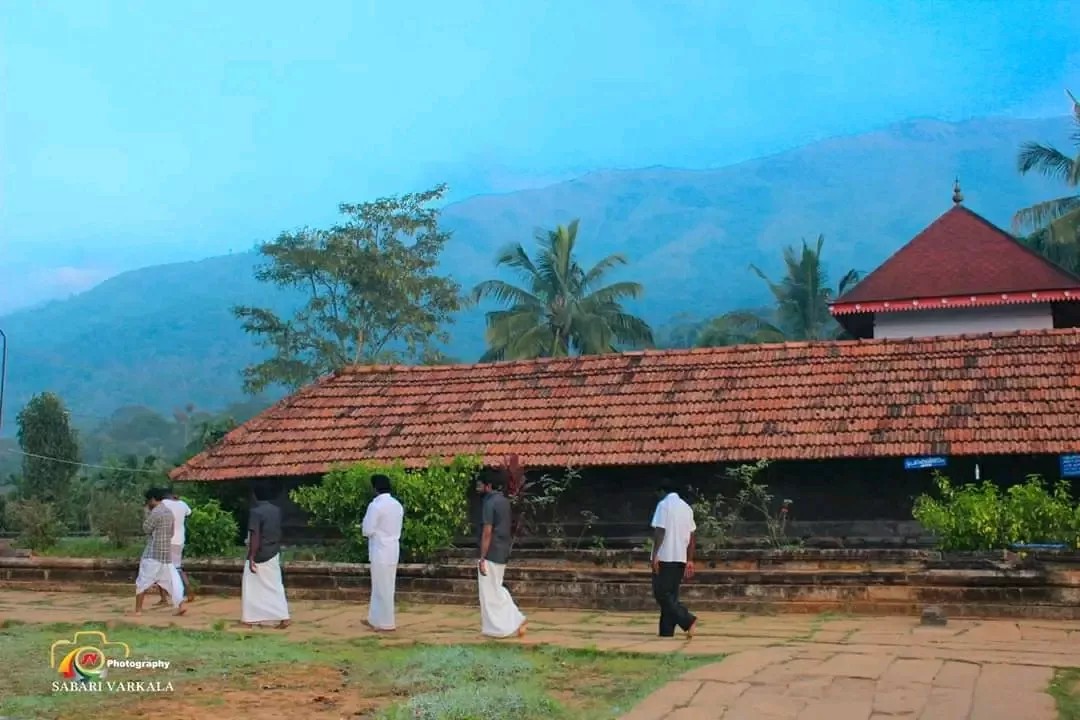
(262, 595)
(381, 609)
(499, 615)
(164, 575)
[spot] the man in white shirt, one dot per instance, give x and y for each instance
(180, 512)
(382, 528)
(672, 560)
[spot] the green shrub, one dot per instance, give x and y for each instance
(436, 502)
(38, 523)
(981, 517)
(233, 497)
(210, 531)
(117, 519)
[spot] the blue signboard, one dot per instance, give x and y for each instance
(925, 463)
(1070, 466)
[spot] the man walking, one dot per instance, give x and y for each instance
(499, 615)
(382, 528)
(180, 511)
(155, 567)
(672, 560)
(262, 595)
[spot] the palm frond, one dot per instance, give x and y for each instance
(851, 279)
(597, 272)
(1045, 160)
(615, 292)
(504, 293)
(1043, 214)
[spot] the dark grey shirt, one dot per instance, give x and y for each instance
(265, 519)
(496, 513)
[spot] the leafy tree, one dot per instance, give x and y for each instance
(802, 304)
(561, 309)
(50, 449)
(373, 294)
(1055, 224)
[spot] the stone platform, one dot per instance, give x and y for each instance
(879, 582)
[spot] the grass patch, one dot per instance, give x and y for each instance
(1065, 689)
(335, 678)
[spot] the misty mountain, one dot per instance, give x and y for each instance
(164, 336)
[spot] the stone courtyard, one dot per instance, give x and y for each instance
(825, 666)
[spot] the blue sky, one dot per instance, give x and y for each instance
(133, 133)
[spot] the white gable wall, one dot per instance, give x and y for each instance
(963, 321)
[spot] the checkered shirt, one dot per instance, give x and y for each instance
(158, 527)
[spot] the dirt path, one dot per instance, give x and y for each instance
(787, 666)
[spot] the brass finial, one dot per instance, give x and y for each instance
(957, 196)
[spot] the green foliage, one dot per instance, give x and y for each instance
(210, 530)
(37, 522)
(371, 296)
(982, 517)
(116, 517)
(51, 459)
(802, 305)
(435, 500)
(1055, 223)
(562, 309)
(717, 516)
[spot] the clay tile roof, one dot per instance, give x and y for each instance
(1013, 393)
(959, 254)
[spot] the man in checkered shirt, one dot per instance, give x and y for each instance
(156, 568)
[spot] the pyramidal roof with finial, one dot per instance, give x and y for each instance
(960, 260)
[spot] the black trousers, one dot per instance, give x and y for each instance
(666, 591)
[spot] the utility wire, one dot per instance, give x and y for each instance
(86, 465)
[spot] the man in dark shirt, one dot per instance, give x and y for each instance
(263, 594)
(499, 615)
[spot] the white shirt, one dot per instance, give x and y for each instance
(382, 528)
(677, 519)
(180, 510)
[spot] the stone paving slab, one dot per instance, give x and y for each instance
(790, 667)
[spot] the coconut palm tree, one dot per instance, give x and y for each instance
(560, 309)
(802, 304)
(1054, 224)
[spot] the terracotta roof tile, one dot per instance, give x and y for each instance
(1003, 393)
(959, 254)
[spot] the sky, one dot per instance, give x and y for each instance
(136, 133)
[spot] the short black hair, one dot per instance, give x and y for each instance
(666, 486)
(493, 477)
(155, 493)
(263, 491)
(380, 483)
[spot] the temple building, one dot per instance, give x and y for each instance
(967, 360)
(960, 275)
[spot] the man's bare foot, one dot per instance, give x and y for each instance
(137, 613)
(282, 625)
(367, 624)
(181, 610)
(691, 630)
(523, 629)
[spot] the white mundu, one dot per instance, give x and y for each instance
(677, 519)
(262, 595)
(382, 528)
(499, 614)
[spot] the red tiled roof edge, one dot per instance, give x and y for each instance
(845, 303)
(868, 398)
